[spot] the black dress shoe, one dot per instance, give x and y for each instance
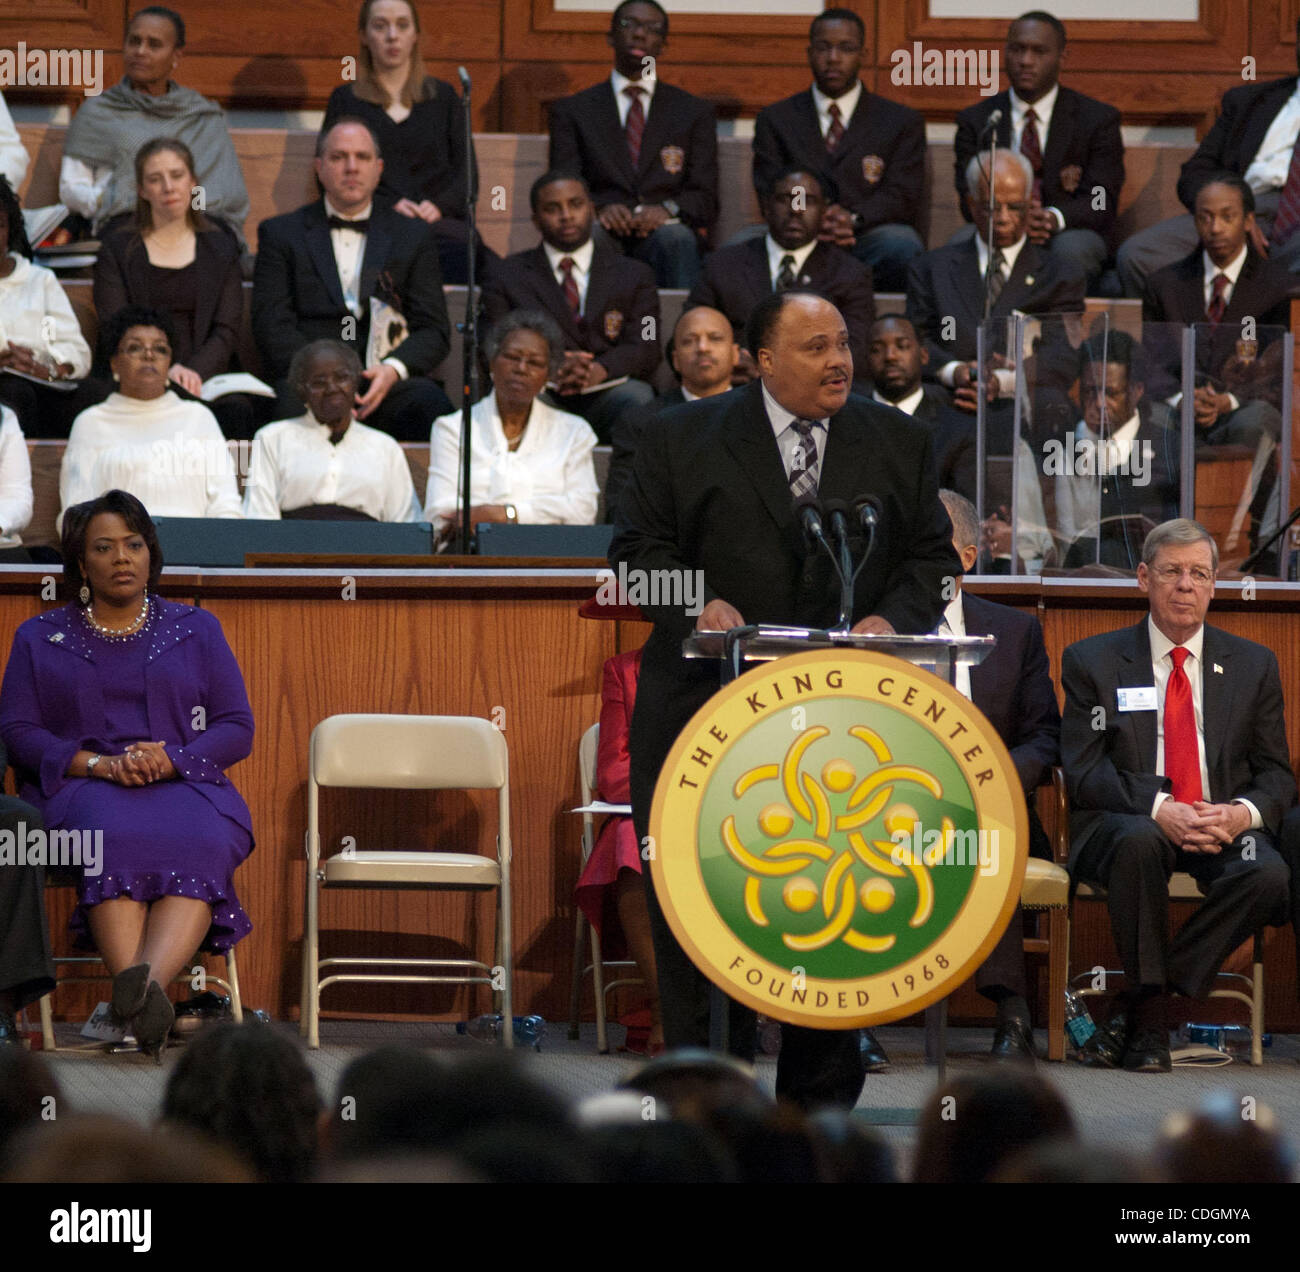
(1014, 1040)
(1148, 1052)
(874, 1059)
(1105, 1049)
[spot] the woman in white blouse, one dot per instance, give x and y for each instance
(15, 481)
(41, 345)
(530, 463)
(324, 465)
(143, 439)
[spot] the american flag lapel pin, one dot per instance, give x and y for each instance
(1218, 671)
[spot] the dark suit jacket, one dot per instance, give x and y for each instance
(947, 283)
(122, 277)
(1244, 118)
(621, 295)
(1083, 133)
(1112, 769)
(625, 439)
(1176, 294)
(878, 169)
(297, 296)
(952, 438)
(736, 278)
(587, 138)
(709, 493)
(1013, 688)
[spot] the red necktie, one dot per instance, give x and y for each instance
(1032, 150)
(570, 286)
(1182, 755)
(1287, 216)
(1218, 301)
(634, 129)
(835, 133)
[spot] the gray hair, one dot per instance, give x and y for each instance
(961, 512)
(309, 352)
(979, 165)
(1177, 533)
(526, 320)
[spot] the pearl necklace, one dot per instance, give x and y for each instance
(119, 633)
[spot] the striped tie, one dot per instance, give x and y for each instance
(570, 286)
(634, 129)
(1218, 299)
(1032, 150)
(994, 280)
(835, 133)
(803, 471)
(785, 278)
(1287, 216)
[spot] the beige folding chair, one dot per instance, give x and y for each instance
(407, 752)
(587, 747)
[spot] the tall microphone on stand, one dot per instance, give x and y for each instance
(990, 130)
(469, 328)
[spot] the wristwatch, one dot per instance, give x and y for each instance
(672, 208)
(512, 513)
(90, 764)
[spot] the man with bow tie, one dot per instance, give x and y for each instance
(1175, 754)
(318, 269)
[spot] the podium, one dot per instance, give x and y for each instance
(829, 822)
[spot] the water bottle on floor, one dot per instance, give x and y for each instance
(529, 1030)
(1079, 1026)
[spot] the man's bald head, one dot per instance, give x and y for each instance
(801, 344)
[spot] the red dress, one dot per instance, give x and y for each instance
(616, 847)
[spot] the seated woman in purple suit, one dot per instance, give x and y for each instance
(121, 713)
(610, 885)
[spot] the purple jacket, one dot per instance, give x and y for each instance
(52, 703)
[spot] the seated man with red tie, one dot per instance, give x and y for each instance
(605, 305)
(648, 150)
(1175, 754)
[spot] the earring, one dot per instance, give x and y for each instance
(84, 595)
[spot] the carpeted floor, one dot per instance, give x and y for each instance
(1123, 1111)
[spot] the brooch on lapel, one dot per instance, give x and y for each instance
(57, 638)
(673, 159)
(613, 324)
(1029, 280)
(873, 168)
(1070, 178)
(1218, 671)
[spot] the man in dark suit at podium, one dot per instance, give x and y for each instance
(1073, 143)
(872, 150)
(712, 491)
(1175, 752)
(319, 268)
(789, 255)
(648, 151)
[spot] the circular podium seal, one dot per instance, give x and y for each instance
(838, 838)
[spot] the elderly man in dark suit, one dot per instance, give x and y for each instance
(319, 268)
(1072, 142)
(648, 151)
(789, 255)
(869, 149)
(1175, 753)
(712, 491)
(1255, 136)
(604, 303)
(704, 353)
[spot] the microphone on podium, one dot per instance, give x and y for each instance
(465, 83)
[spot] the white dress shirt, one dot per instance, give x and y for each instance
(1043, 109)
(1211, 271)
(776, 254)
(295, 465)
(1006, 376)
(82, 185)
(349, 250)
(618, 81)
(1272, 160)
(1078, 498)
(13, 154)
(907, 404)
(1162, 667)
(30, 295)
(953, 623)
(15, 481)
(786, 437)
(847, 103)
(581, 258)
(170, 454)
(550, 479)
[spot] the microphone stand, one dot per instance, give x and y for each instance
(993, 167)
(469, 389)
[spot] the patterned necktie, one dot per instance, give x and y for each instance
(994, 280)
(1287, 216)
(803, 472)
(570, 286)
(1218, 301)
(835, 133)
(634, 129)
(1182, 755)
(1032, 150)
(785, 278)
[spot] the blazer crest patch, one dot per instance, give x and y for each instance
(1071, 175)
(613, 324)
(873, 168)
(673, 159)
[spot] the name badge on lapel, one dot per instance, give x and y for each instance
(1140, 698)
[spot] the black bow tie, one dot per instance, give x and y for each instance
(338, 223)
